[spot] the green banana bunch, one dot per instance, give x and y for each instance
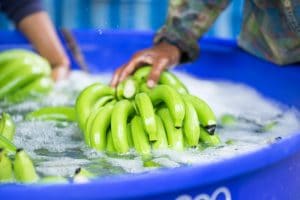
(23, 168)
(23, 74)
(6, 171)
(135, 116)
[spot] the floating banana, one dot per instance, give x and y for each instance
(58, 113)
(23, 168)
(7, 126)
(36, 88)
(23, 74)
(6, 171)
(82, 176)
(6, 144)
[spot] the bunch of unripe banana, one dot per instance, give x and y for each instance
(23, 74)
(22, 168)
(135, 116)
(15, 164)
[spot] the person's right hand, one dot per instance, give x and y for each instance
(60, 70)
(161, 56)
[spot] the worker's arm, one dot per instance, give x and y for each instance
(177, 40)
(34, 22)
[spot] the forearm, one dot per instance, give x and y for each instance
(187, 21)
(38, 28)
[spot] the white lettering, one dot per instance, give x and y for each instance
(219, 192)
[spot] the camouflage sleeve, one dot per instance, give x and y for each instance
(187, 21)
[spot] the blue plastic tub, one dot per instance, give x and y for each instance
(268, 174)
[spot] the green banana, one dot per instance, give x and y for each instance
(88, 125)
(191, 128)
(103, 101)
(172, 100)
(228, 120)
(110, 148)
(166, 78)
(87, 99)
(205, 114)
(130, 88)
(6, 171)
(174, 135)
(129, 136)
(28, 71)
(127, 89)
(170, 79)
(41, 85)
(7, 126)
(8, 68)
(82, 176)
(6, 144)
(145, 108)
(58, 113)
(99, 128)
(162, 141)
(140, 140)
(151, 163)
(119, 91)
(211, 140)
(23, 168)
(14, 54)
(122, 110)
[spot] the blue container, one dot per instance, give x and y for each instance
(270, 173)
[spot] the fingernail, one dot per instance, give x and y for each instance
(151, 83)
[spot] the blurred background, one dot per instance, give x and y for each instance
(127, 15)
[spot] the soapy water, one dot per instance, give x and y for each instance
(58, 148)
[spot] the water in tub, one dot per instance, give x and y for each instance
(58, 148)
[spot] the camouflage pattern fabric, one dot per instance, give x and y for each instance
(270, 29)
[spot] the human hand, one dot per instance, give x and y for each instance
(60, 72)
(161, 56)
(38, 28)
